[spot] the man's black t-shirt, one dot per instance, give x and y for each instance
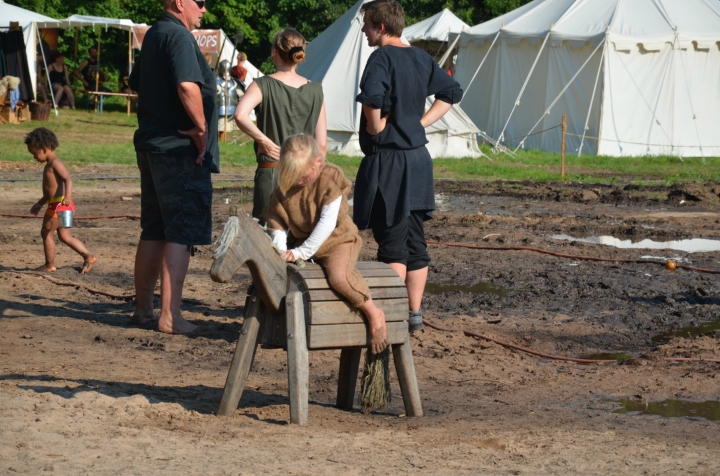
(170, 56)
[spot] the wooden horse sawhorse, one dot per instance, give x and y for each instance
(295, 309)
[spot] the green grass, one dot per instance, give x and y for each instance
(86, 138)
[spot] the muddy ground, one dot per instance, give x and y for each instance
(84, 392)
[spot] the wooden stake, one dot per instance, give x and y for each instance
(129, 67)
(562, 147)
(97, 73)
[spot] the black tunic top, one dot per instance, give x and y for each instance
(397, 81)
(170, 56)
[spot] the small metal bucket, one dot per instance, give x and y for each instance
(65, 218)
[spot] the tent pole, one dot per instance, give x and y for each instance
(522, 142)
(522, 90)
(97, 73)
(592, 98)
(448, 52)
(77, 39)
(467, 88)
(129, 65)
(692, 107)
(47, 71)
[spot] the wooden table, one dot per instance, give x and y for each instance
(102, 95)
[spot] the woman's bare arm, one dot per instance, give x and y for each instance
(321, 131)
(253, 97)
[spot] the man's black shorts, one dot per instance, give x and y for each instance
(176, 199)
(403, 242)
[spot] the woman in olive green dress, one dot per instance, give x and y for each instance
(285, 104)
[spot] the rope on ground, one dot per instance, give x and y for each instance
(556, 357)
(15, 215)
(563, 255)
(125, 297)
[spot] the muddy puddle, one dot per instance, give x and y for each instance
(477, 288)
(694, 245)
(688, 332)
(710, 410)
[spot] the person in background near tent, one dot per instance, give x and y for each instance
(177, 150)
(285, 104)
(44, 54)
(239, 71)
(394, 189)
(59, 80)
(124, 85)
(87, 71)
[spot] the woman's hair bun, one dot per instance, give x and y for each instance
(297, 54)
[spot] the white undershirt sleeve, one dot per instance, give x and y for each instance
(323, 230)
(279, 239)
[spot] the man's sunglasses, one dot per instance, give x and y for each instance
(200, 4)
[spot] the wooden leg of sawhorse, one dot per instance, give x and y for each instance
(255, 312)
(402, 354)
(297, 353)
(347, 377)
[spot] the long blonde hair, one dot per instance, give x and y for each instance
(296, 154)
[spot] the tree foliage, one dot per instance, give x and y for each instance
(258, 20)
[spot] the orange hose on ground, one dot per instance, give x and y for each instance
(562, 255)
(557, 357)
(15, 215)
(517, 347)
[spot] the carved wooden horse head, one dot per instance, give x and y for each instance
(243, 241)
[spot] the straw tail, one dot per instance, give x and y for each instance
(375, 383)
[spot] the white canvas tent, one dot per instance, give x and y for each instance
(337, 58)
(639, 75)
(27, 20)
(435, 28)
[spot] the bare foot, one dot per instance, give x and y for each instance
(144, 318)
(378, 328)
(176, 325)
(88, 264)
(46, 268)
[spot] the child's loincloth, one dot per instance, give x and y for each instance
(54, 203)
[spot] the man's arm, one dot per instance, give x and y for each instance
(192, 101)
(375, 123)
(436, 111)
(78, 75)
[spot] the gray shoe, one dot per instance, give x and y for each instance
(415, 322)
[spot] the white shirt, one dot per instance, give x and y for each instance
(323, 230)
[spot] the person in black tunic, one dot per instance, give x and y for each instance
(394, 188)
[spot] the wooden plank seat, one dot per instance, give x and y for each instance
(309, 315)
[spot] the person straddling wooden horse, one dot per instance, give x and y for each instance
(311, 202)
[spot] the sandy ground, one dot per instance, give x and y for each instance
(84, 392)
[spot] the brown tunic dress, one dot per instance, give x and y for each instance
(299, 212)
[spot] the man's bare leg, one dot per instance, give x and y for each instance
(48, 228)
(148, 260)
(415, 285)
(376, 323)
(176, 258)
